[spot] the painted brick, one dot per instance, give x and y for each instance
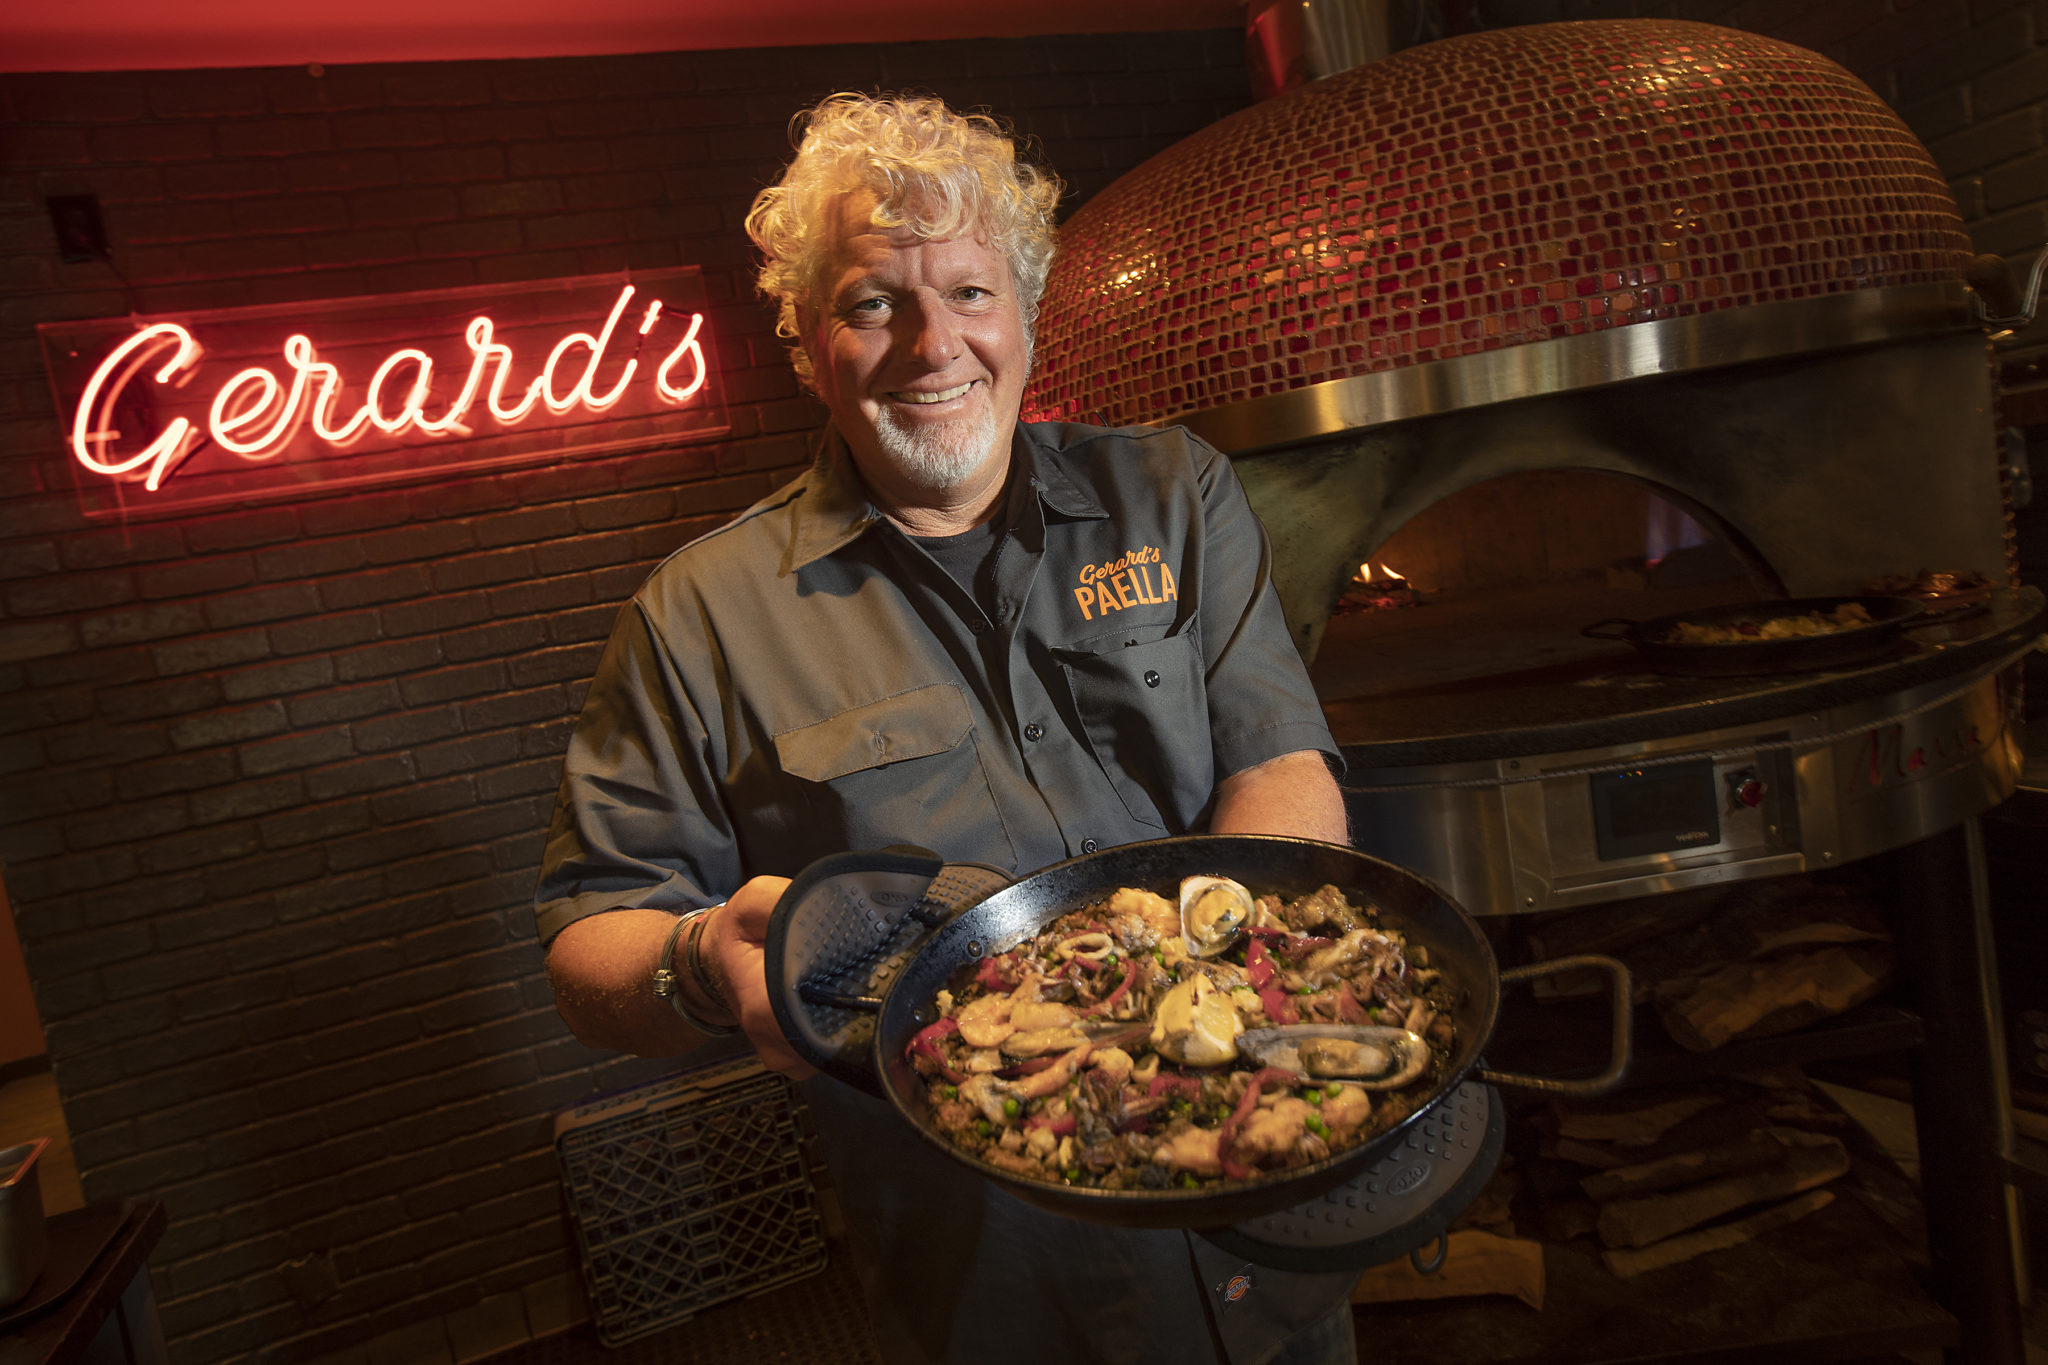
(343, 703)
(222, 179)
(292, 752)
(375, 773)
(408, 204)
(449, 684)
(167, 697)
(228, 726)
(274, 136)
(326, 633)
(379, 585)
(194, 577)
(523, 526)
(407, 730)
(580, 553)
(178, 852)
(466, 754)
(532, 265)
(293, 675)
(539, 595)
(262, 604)
(389, 128)
(424, 799)
(21, 560)
(70, 593)
(289, 213)
(241, 530)
(387, 659)
(350, 515)
(135, 545)
(186, 772)
(2017, 182)
(2008, 87)
(451, 165)
(470, 238)
(316, 823)
(494, 640)
(556, 664)
(582, 624)
(266, 873)
(141, 623)
(246, 800)
(211, 651)
(356, 248)
(519, 779)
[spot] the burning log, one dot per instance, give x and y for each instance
(1378, 589)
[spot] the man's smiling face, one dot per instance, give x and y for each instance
(918, 349)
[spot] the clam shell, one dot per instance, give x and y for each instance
(1213, 911)
(1375, 1056)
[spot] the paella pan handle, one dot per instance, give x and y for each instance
(1620, 997)
(1613, 628)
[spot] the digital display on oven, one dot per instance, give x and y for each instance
(1667, 809)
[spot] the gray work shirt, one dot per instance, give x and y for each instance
(807, 680)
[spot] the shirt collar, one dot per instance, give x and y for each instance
(834, 509)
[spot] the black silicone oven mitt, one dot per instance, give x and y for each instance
(843, 929)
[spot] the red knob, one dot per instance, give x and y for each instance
(1750, 793)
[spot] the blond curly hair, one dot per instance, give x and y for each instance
(938, 173)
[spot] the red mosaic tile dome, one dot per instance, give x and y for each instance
(1480, 192)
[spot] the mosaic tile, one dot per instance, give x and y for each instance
(1481, 192)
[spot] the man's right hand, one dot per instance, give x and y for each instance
(602, 968)
(733, 950)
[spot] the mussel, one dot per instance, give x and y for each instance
(1375, 1056)
(1213, 911)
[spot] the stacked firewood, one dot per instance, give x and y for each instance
(1754, 961)
(1660, 1179)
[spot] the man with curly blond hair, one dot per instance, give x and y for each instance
(1008, 642)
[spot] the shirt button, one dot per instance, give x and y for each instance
(1034, 732)
(978, 627)
(1089, 845)
(1151, 677)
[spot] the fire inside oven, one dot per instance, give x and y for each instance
(1492, 586)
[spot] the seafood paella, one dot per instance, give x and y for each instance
(1847, 616)
(1141, 1044)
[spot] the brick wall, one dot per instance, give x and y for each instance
(273, 782)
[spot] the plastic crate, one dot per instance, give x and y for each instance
(688, 1192)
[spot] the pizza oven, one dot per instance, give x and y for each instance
(1561, 324)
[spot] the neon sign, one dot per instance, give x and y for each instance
(237, 405)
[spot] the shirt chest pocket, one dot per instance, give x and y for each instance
(904, 769)
(1144, 708)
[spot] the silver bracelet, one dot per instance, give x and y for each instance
(666, 986)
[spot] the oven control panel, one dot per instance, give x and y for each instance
(1650, 826)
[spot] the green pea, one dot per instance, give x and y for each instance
(1073, 1175)
(1332, 1090)
(1317, 1126)
(949, 1092)
(1314, 1097)
(1188, 1181)
(983, 1127)
(1011, 1107)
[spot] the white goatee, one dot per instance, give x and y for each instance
(938, 455)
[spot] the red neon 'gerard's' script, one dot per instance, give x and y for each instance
(255, 415)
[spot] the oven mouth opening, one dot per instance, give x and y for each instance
(1489, 589)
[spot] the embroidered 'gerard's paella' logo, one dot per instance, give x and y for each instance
(1138, 579)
